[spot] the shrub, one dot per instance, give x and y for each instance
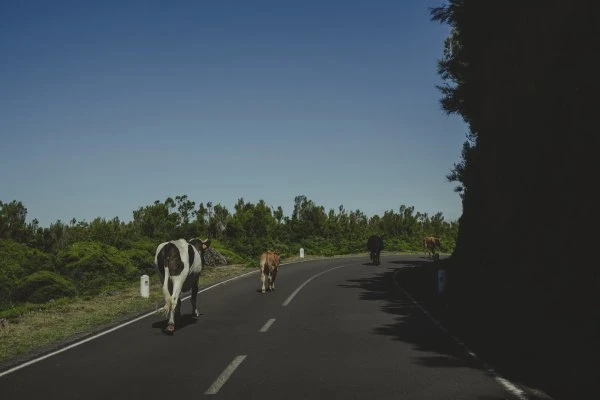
(142, 260)
(16, 262)
(42, 286)
(93, 265)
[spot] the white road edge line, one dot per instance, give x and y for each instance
(267, 325)
(508, 385)
(291, 297)
(18, 367)
(225, 375)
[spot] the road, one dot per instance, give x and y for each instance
(332, 329)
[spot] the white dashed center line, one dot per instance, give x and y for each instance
(267, 325)
(227, 372)
(289, 299)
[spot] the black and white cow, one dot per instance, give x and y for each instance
(179, 264)
(375, 245)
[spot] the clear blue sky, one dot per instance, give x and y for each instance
(107, 106)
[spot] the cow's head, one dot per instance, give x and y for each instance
(200, 245)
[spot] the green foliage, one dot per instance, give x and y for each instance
(141, 253)
(142, 260)
(16, 262)
(12, 222)
(104, 254)
(318, 246)
(42, 286)
(156, 221)
(93, 266)
(231, 256)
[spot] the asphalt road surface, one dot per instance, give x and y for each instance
(332, 329)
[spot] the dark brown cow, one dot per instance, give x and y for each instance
(431, 243)
(375, 245)
(269, 265)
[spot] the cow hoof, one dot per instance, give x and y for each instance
(263, 291)
(170, 328)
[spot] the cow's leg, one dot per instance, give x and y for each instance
(262, 279)
(274, 275)
(167, 289)
(171, 322)
(171, 310)
(178, 304)
(174, 304)
(195, 312)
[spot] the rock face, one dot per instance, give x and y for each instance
(213, 258)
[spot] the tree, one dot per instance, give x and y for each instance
(278, 214)
(218, 224)
(308, 219)
(156, 221)
(186, 209)
(523, 77)
(12, 221)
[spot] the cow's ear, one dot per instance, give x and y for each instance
(206, 244)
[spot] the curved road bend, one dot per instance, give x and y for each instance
(333, 329)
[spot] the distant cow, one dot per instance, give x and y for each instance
(375, 245)
(269, 265)
(179, 264)
(431, 244)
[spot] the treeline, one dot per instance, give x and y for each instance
(79, 257)
(523, 76)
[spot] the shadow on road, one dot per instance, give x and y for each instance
(369, 264)
(411, 324)
(531, 359)
(180, 323)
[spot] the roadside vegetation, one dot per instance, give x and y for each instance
(62, 282)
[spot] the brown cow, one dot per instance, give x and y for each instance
(269, 264)
(431, 243)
